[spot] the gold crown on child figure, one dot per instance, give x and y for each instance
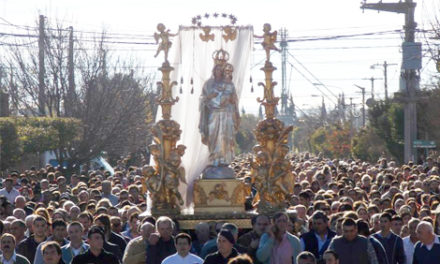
(220, 57)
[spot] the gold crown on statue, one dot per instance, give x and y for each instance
(220, 57)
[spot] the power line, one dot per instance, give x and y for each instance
(316, 78)
(311, 82)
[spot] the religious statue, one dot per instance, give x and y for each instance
(269, 39)
(165, 43)
(219, 115)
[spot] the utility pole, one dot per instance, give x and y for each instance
(41, 73)
(68, 105)
(372, 79)
(410, 64)
(385, 75)
(284, 96)
(363, 103)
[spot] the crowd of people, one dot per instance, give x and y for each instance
(340, 211)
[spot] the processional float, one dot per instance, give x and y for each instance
(218, 192)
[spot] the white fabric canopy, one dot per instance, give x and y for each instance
(193, 59)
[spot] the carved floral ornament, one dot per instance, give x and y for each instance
(230, 31)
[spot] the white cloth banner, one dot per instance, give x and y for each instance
(193, 59)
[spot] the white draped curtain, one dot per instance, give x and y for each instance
(192, 59)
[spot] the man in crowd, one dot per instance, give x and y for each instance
(18, 229)
(76, 245)
(59, 233)
(161, 243)
(183, 246)
(9, 191)
(251, 240)
(226, 250)
(392, 243)
(410, 241)
(318, 238)
(28, 246)
(96, 253)
(107, 192)
(202, 233)
(427, 250)
(9, 255)
(306, 257)
(51, 253)
(351, 247)
(135, 252)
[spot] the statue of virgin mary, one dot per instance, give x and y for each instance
(219, 119)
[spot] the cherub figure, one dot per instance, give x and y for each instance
(165, 43)
(269, 39)
(230, 33)
(206, 36)
(173, 174)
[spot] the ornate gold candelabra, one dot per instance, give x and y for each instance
(162, 180)
(270, 170)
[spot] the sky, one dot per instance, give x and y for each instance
(338, 64)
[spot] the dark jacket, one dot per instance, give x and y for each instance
(424, 256)
(380, 251)
(217, 258)
(114, 249)
(353, 252)
(19, 259)
(118, 240)
(27, 248)
(103, 258)
(245, 240)
(311, 243)
(393, 246)
(157, 253)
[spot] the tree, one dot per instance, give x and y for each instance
(115, 106)
(386, 120)
(368, 146)
(245, 137)
(32, 135)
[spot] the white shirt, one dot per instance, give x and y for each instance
(436, 241)
(177, 259)
(11, 260)
(408, 247)
(10, 195)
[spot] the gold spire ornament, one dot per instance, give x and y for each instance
(270, 169)
(162, 179)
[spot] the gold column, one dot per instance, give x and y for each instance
(270, 169)
(163, 179)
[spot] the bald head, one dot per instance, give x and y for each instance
(146, 229)
(425, 232)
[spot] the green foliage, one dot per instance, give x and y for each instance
(386, 121)
(368, 146)
(318, 141)
(11, 147)
(36, 135)
(245, 137)
(332, 141)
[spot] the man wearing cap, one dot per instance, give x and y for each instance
(226, 250)
(96, 253)
(9, 191)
